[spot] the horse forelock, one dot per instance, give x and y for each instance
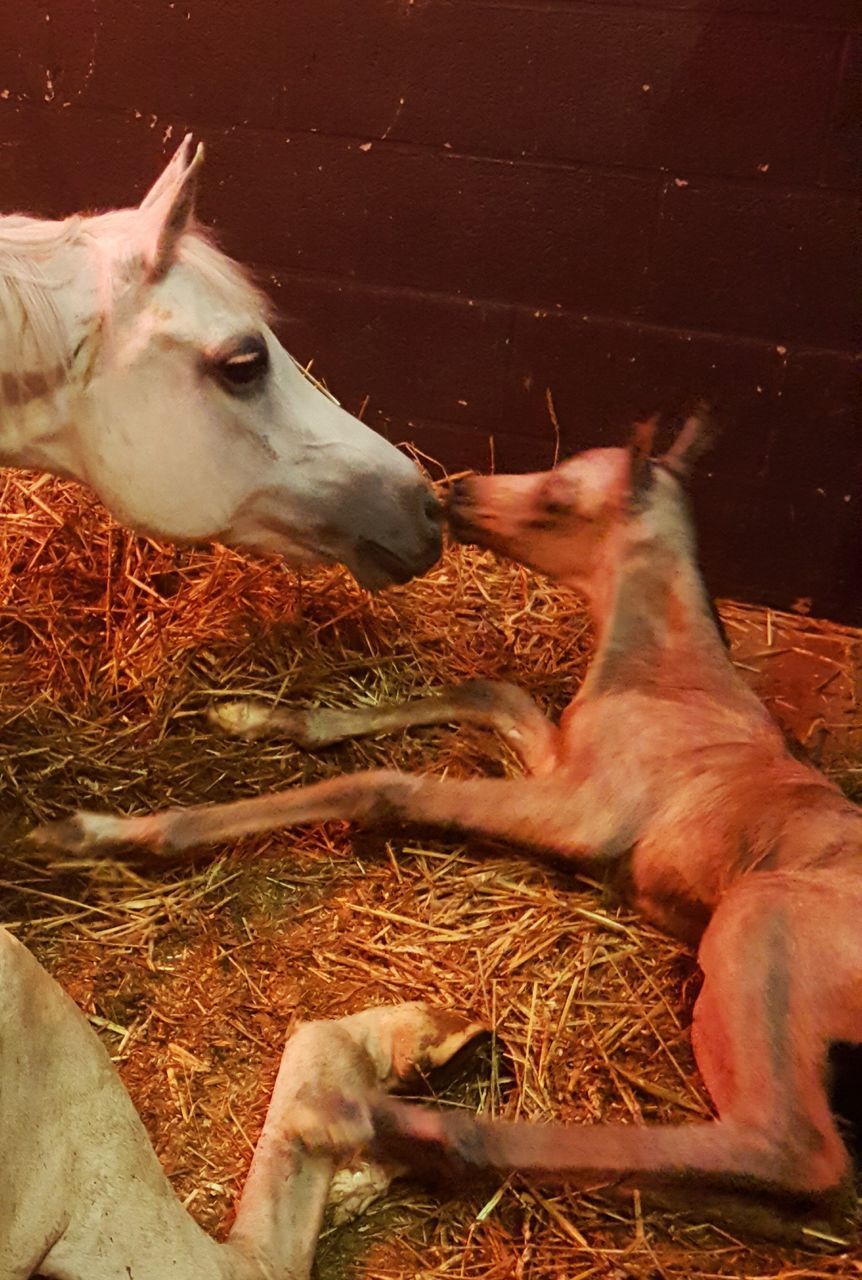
(122, 258)
(34, 338)
(230, 282)
(36, 345)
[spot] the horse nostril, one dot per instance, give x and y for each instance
(432, 508)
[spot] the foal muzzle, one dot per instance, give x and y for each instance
(461, 512)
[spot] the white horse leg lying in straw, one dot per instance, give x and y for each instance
(137, 358)
(82, 1194)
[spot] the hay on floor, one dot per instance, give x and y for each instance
(111, 647)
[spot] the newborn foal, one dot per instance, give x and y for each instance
(667, 769)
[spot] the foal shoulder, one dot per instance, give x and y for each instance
(658, 721)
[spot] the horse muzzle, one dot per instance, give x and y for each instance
(402, 554)
(374, 565)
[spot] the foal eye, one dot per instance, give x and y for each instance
(243, 366)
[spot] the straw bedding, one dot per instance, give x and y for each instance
(113, 646)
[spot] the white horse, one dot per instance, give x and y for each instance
(82, 1194)
(137, 359)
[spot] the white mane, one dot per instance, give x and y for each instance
(33, 329)
(40, 261)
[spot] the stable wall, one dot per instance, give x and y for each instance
(459, 205)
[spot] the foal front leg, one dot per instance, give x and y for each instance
(489, 704)
(551, 815)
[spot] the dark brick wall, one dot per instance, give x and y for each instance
(460, 204)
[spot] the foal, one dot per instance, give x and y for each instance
(667, 773)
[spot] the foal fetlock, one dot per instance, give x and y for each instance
(85, 833)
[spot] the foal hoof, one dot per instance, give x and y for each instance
(67, 835)
(441, 1036)
(357, 1186)
(84, 833)
(241, 718)
(408, 1041)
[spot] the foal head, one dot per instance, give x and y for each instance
(576, 523)
(187, 417)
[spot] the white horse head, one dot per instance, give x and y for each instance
(137, 358)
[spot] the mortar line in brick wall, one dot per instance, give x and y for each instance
(273, 274)
(706, 12)
(760, 182)
(756, 16)
(841, 67)
(657, 174)
(179, 125)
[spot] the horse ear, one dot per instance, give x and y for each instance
(694, 439)
(171, 173)
(167, 208)
(640, 448)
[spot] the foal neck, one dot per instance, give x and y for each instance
(656, 627)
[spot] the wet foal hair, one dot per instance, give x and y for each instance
(665, 773)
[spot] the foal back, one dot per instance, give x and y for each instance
(713, 793)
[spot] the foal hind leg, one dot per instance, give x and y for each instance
(82, 1194)
(489, 704)
(782, 960)
(782, 963)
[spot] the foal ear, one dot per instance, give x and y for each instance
(695, 438)
(168, 206)
(640, 449)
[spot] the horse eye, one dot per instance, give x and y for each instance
(244, 365)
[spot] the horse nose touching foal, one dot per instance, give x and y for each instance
(666, 774)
